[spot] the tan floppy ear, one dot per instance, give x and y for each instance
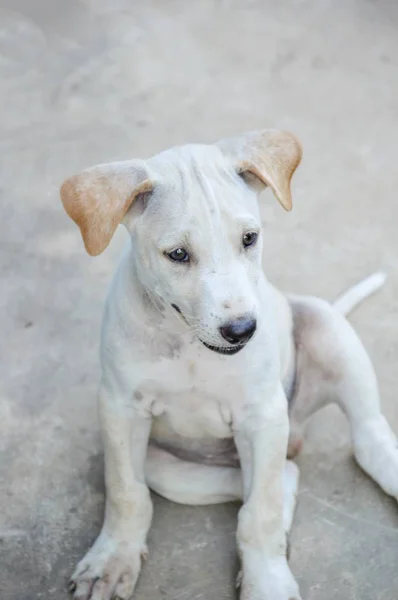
(271, 155)
(98, 198)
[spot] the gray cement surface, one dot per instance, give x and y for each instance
(90, 81)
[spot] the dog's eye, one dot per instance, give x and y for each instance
(249, 239)
(179, 255)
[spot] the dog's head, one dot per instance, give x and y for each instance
(193, 218)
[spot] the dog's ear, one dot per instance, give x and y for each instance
(269, 156)
(98, 198)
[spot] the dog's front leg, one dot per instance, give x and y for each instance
(261, 435)
(110, 569)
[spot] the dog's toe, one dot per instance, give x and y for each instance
(125, 587)
(110, 570)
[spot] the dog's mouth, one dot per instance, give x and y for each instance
(225, 350)
(178, 309)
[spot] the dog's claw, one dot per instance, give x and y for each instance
(71, 586)
(288, 546)
(144, 553)
(239, 579)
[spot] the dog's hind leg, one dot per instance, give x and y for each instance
(333, 366)
(193, 483)
(187, 482)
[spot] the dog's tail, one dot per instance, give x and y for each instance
(359, 292)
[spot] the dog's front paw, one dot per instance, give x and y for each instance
(108, 571)
(268, 579)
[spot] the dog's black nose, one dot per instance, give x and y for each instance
(240, 330)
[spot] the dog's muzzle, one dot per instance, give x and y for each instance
(237, 333)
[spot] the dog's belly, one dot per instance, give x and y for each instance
(197, 427)
(204, 449)
(195, 423)
(193, 402)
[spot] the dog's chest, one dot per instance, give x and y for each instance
(194, 394)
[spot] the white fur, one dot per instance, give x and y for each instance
(160, 384)
(359, 292)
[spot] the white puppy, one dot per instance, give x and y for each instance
(202, 358)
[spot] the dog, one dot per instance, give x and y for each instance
(209, 373)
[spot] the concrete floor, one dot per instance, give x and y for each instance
(84, 82)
